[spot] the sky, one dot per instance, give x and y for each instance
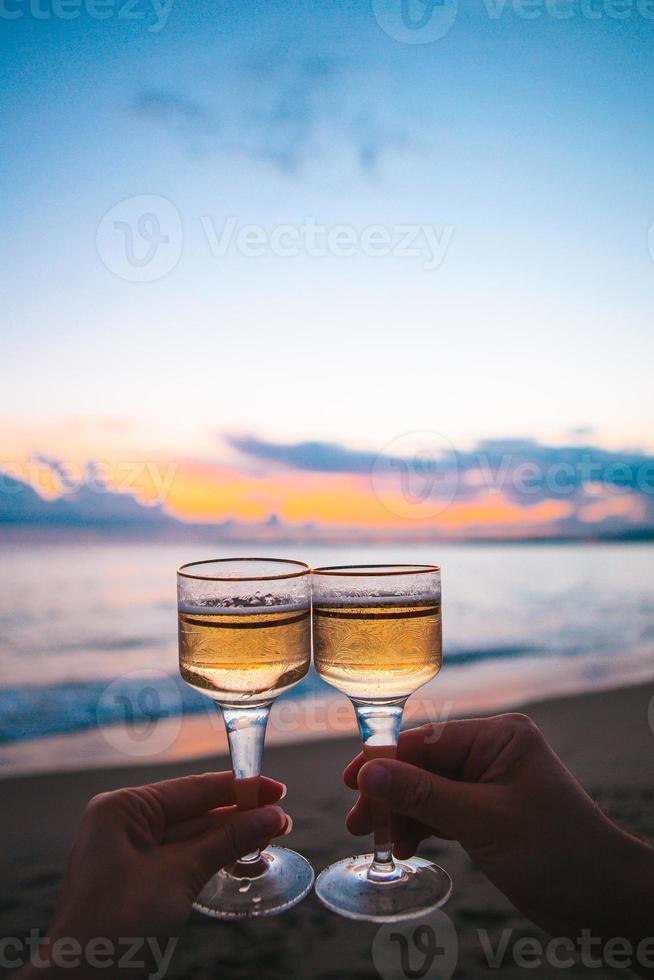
(382, 228)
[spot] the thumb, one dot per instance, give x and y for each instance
(238, 834)
(446, 806)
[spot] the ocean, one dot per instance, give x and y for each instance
(83, 620)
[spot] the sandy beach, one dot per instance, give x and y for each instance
(605, 737)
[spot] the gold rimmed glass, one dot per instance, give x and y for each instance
(377, 638)
(244, 639)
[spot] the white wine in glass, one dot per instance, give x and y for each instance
(216, 652)
(373, 648)
(244, 639)
(377, 638)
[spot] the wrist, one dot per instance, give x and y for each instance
(618, 885)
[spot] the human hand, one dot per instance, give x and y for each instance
(141, 857)
(497, 787)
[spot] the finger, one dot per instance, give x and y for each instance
(412, 747)
(191, 796)
(467, 750)
(405, 832)
(408, 836)
(444, 805)
(195, 826)
(351, 771)
(270, 792)
(446, 747)
(403, 849)
(241, 832)
(359, 819)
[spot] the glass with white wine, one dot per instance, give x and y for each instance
(244, 639)
(377, 638)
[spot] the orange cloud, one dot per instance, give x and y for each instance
(626, 505)
(206, 492)
(202, 492)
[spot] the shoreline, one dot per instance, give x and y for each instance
(605, 737)
(495, 687)
(182, 532)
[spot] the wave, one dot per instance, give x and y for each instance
(39, 711)
(139, 698)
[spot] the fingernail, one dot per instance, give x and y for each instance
(284, 791)
(269, 819)
(288, 828)
(375, 780)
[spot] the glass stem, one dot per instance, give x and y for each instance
(379, 727)
(246, 731)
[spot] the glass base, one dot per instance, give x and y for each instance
(279, 880)
(420, 888)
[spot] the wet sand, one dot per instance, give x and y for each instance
(605, 738)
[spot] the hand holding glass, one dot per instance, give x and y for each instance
(377, 638)
(244, 639)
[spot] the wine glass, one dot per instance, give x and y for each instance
(244, 639)
(377, 638)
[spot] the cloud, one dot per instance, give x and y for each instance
(195, 125)
(316, 457)
(289, 113)
(503, 487)
(92, 505)
(526, 466)
(374, 140)
(524, 470)
(168, 106)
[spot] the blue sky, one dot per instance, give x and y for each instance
(531, 139)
